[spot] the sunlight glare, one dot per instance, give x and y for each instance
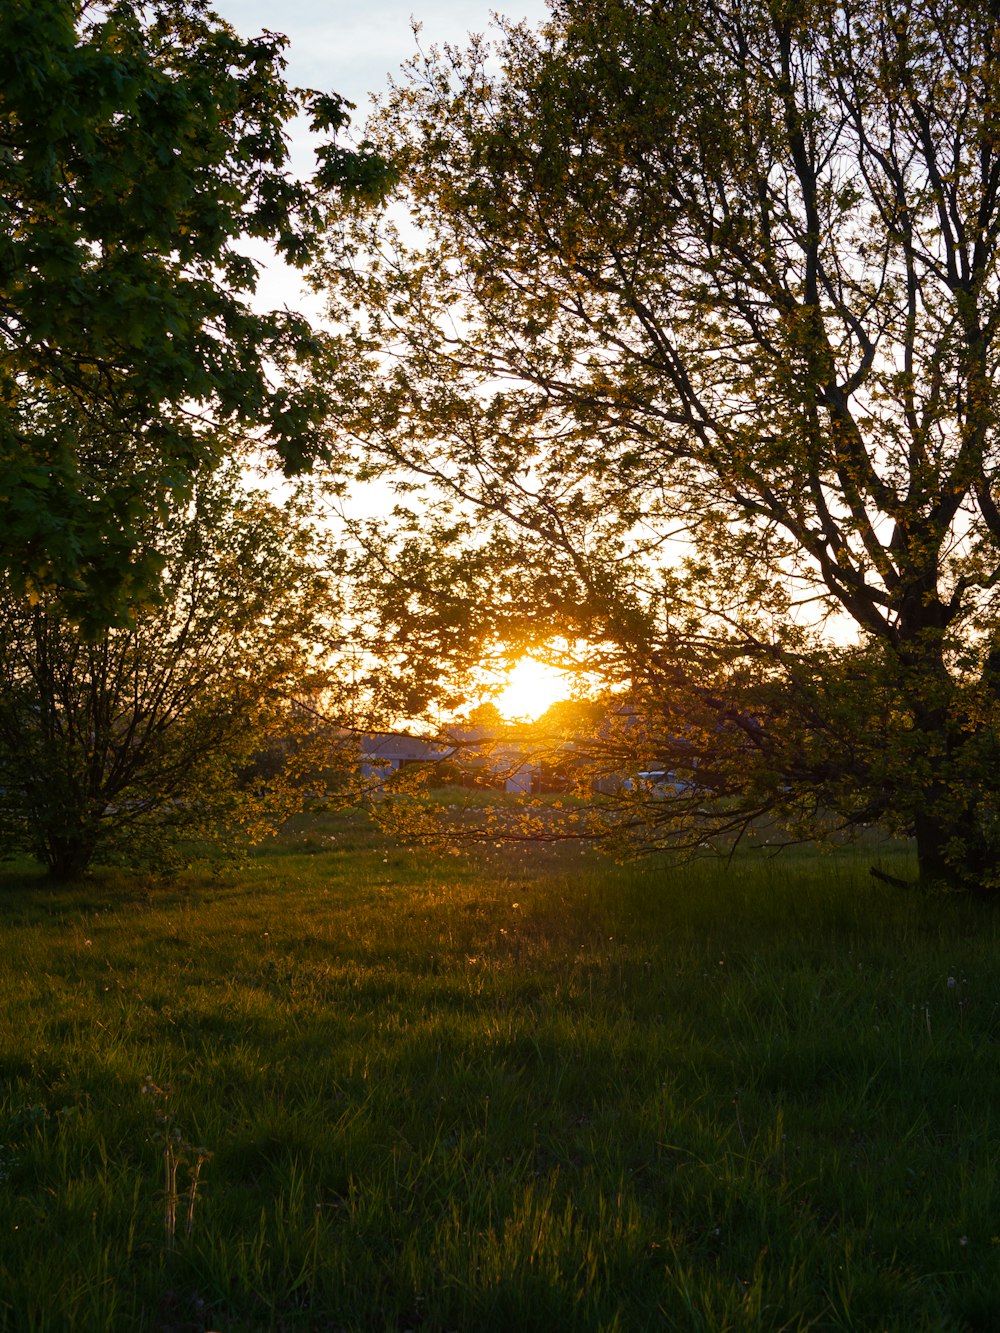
(531, 688)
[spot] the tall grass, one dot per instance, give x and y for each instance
(510, 1091)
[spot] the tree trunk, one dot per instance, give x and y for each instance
(69, 857)
(932, 838)
(954, 846)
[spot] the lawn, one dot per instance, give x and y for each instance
(509, 1090)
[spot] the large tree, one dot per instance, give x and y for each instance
(697, 348)
(141, 147)
(123, 745)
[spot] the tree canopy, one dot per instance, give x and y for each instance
(141, 146)
(120, 746)
(696, 354)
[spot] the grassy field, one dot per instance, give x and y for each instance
(511, 1091)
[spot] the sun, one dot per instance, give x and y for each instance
(531, 687)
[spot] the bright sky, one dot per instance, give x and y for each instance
(531, 687)
(352, 49)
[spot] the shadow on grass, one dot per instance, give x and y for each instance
(501, 1092)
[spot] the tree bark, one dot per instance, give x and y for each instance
(932, 838)
(69, 857)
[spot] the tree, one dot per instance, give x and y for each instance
(699, 346)
(140, 147)
(120, 745)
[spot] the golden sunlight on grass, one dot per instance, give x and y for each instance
(532, 686)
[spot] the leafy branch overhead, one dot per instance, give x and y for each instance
(140, 148)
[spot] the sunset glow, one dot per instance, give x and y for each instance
(531, 687)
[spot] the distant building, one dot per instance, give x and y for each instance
(386, 752)
(500, 764)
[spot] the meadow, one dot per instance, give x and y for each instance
(347, 1085)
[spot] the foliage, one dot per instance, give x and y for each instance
(697, 346)
(121, 745)
(141, 147)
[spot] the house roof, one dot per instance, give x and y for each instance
(399, 745)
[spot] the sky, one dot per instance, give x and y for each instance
(352, 49)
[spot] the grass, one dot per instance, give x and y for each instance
(521, 1090)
